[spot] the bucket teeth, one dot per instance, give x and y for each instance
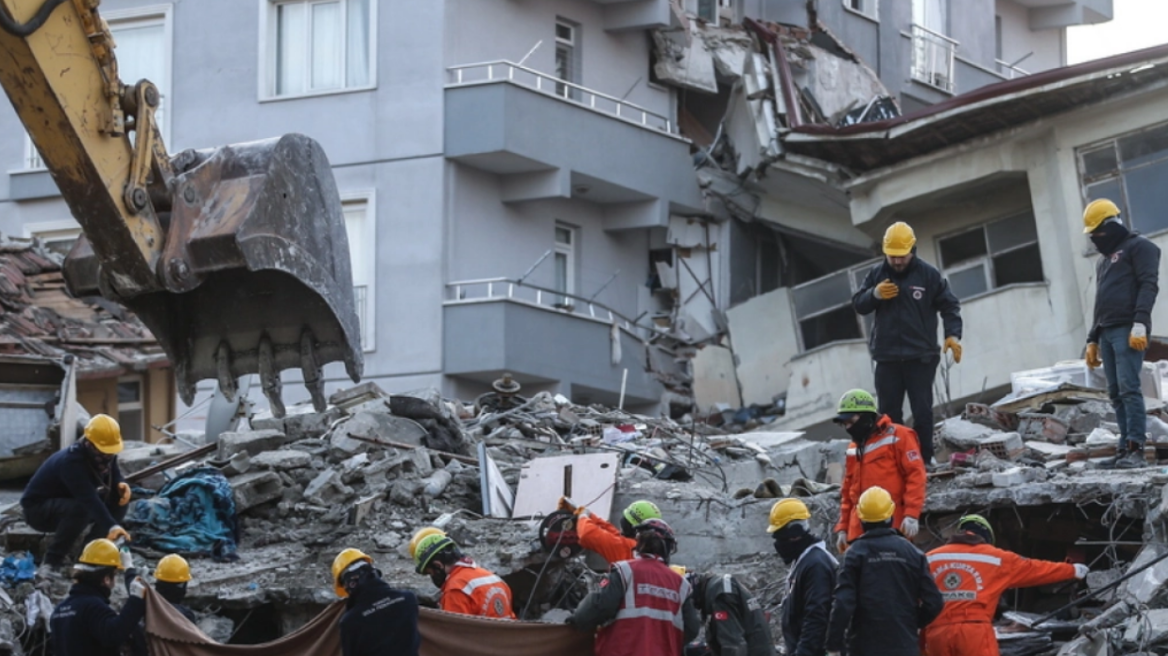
(270, 376)
(223, 364)
(313, 379)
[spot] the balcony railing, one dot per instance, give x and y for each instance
(505, 71)
(1009, 71)
(932, 58)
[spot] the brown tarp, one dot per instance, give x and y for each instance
(168, 633)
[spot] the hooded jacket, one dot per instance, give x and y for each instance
(906, 326)
(1126, 284)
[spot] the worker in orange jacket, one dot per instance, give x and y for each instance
(972, 574)
(597, 534)
(465, 587)
(882, 454)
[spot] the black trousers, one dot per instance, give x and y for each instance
(66, 519)
(897, 378)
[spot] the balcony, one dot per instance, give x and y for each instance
(627, 15)
(549, 138)
(545, 336)
(1047, 14)
(932, 58)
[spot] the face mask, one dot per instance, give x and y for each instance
(437, 576)
(790, 543)
(862, 429)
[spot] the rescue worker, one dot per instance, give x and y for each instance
(171, 577)
(78, 487)
(884, 454)
(972, 574)
(907, 293)
(806, 608)
(84, 624)
(379, 620)
(885, 594)
(734, 619)
(642, 608)
(421, 535)
(1126, 283)
(597, 534)
(464, 586)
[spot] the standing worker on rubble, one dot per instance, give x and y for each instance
(810, 580)
(597, 534)
(885, 594)
(84, 624)
(907, 293)
(735, 622)
(78, 487)
(379, 620)
(1126, 283)
(882, 454)
(972, 574)
(642, 608)
(465, 587)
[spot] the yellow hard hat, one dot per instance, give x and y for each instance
(342, 562)
(1096, 212)
(105, 434)
(420, 535)
(899, 239)
(876, 505)
(679, 569)
(786, 511)
(101, 553)
(172, 569)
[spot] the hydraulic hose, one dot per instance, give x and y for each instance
(9, 24)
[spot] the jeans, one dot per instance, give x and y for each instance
(895, 379)
(66, 519)
(1122, 365)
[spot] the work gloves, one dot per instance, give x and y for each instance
(886, 290)
(127, 559)
(138, 588)
(124, 493)
(118, 533)
(841, 541)
(1081, 571)
(1092, 356)
(1138, 339)
(951, 344)
(910, 527)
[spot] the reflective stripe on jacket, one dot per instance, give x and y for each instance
(649, 621)
(891, 458)
(472, 590)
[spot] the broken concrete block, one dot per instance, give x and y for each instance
(1148, 627)
(237, 464)
(361, 508)
(253, 489)
(1004, 446)
(435, 483)
(281, 460)
(326, 488)
(405, 492)
(219, 629)
(1050, 451)
(311, 425)
(1040, 426)
(1148, 584)
(372, 426)
(1015, 476)
(962, 434)
(357, 395)
(253, 442)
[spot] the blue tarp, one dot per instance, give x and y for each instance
(17, 568)
(192, 514)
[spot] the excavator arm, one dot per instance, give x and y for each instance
(236, 257)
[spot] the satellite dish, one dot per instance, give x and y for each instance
(223, 416)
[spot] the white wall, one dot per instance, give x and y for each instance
(1048, 46)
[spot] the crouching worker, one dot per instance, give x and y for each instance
(379, 620)
(643, 608)
(85, 624)
(464, 586)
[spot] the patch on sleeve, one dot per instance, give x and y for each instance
(913, 456)
(604, 583)
(721, 615)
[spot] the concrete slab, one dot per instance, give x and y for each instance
(714, 379)
(764, 369)
(253, 489)
(253, 442)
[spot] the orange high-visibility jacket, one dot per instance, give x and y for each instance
(891, 459)
(472, 590)
(605, 539)
(971, 578)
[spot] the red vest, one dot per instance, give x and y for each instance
(649, 620)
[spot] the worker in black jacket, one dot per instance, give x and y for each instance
(885, 595)
(378, 620)
(810, 579)
(906, 294)
(78, 487)
(84, 624)
(1126, 283)
(735, 622)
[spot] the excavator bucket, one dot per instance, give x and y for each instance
(255, 270)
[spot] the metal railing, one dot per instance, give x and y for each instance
(932, 58)
(505, 71)
(1009, 70)
(361, 302)
(506, 289)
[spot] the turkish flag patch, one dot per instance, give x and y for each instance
(913, 456)
(721, 615)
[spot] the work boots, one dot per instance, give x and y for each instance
(1133, 459)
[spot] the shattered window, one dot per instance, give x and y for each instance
(1129, 170)
(999, 253)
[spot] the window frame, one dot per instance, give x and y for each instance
(575, 68)
(268, 42)
(53, 230)
(569, 251)
(1116, 175)
(133, 406)
(367, 197)
(986, 260)
(855, 275)
(872, 14)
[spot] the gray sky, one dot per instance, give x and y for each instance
(1136, 24)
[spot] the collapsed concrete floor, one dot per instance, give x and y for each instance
(309, 485)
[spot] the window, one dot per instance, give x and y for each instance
(131, 417)
(59, 241)
(318, 46)
(565, 262)
(1129, 170)
(868, 8)
(359, 226)
(1004, 252)
(932, 52)
(143, 53)
(823, 307)
(567, 62)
